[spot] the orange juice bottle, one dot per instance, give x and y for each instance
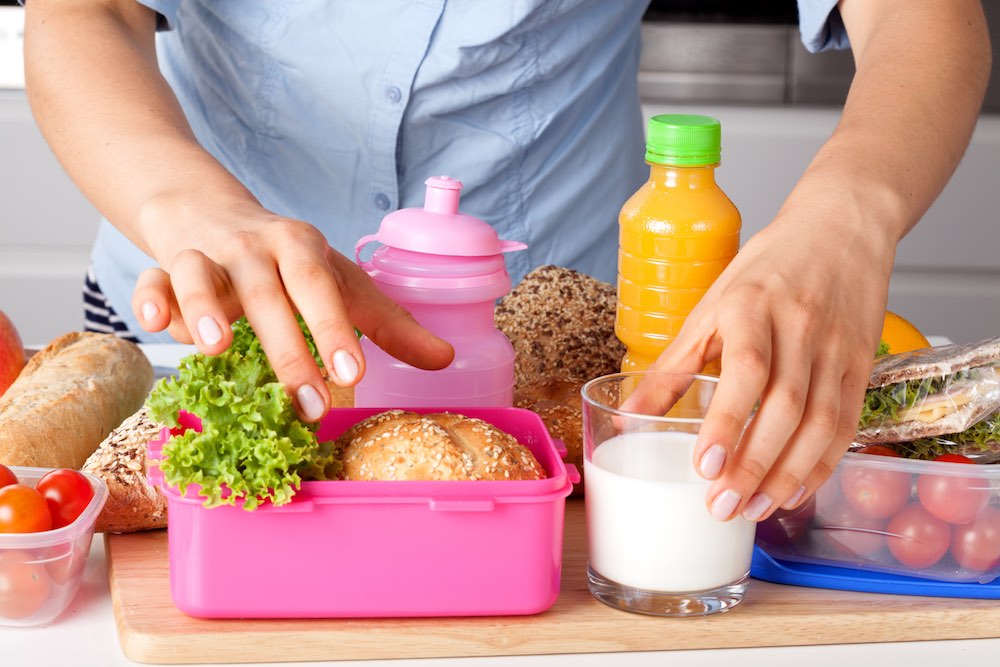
(676, 235)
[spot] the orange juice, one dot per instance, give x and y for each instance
(676, 235)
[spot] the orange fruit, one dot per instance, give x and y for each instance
(900, 334)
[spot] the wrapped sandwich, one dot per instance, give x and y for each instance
(931, 393)
(980, 442)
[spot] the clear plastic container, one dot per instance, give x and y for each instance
(378, 549)
(926, 519)
(46, 567)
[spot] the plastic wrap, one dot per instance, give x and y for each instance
(931, 392)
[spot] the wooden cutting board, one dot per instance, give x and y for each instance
(152, 630)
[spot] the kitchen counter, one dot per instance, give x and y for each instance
(85, 636)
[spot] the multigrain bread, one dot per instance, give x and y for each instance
(122, 462)
(562, 326)
(557, 402)
(401, 445)
(69, 397)
(933, 361)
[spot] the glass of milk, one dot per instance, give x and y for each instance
(653, 547)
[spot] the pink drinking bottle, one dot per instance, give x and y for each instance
(447, 269)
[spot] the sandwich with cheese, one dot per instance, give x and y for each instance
(931, 392)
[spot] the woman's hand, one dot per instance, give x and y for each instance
(796, 316)
(115, 124)
(235, 258)
(795, 320)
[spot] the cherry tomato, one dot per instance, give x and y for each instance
(847, 533)
(874, 493)
(23, 510)
(64, 562)
(24, 585)
(6, 476)
(67, 493)
(976, 546)
(917, 538)
(786, 527)
(953, 499)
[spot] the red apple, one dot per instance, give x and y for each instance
(11, 353)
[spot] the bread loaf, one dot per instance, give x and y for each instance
(562, 326)
(400, 445)
(122, 462)
(69, 397)
(557, 402)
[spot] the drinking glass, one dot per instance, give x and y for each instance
(653, 547)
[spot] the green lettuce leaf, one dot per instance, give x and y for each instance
(252, 447)
(882, 404)
(980, 437)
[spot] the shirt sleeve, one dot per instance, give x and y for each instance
(821, 26)
(166, 12)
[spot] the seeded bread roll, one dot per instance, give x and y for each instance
(557, 402)
(401, 445)
(69, 397)
(562, 326)
(122, 461)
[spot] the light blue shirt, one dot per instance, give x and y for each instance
(336, 112)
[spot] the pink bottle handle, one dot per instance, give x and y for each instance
(573, 473)
(511, 246)
(362, 242)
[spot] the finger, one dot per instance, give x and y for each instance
(852, 392)
(804, 457)
(269, 312)
(310, 284)
(746, 362)
(658, 392)
(781, 407)
(386, 323)
(196, 292)
(153, 299)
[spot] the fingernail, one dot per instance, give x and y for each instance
(759, 504)
(796, 497)
(149, 311)
(725, 504)
(345, 366)
(310, 402)
(209, 331)
(712, 461)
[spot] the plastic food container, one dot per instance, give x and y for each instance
(45, 568)
(378, 549)
(926, 519)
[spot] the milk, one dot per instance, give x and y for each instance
(648, 526)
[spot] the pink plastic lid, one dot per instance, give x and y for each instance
(438, 228)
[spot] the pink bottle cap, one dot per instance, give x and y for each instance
(438, 228)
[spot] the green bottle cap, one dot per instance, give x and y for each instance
(683, 140)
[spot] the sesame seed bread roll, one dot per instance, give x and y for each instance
(400, 445)
(69, 397)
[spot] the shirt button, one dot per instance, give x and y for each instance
(381, 202)
(393, 94)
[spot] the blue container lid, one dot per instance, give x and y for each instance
(766, 568)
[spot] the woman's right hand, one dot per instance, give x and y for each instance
(117, 127)
(245, 260)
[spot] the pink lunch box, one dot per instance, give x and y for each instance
(378, 549)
